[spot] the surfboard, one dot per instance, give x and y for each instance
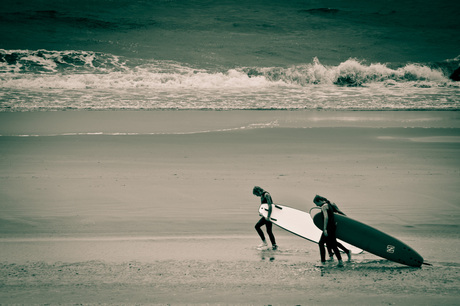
(299, 223)
(370, 239)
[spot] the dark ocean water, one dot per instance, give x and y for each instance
(118, 54)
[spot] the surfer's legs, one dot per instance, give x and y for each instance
(269, 226)
(336, 251)
(347, 251)
(331, 241)
(340, 246)
(259, 224)
(322, 250)
(330, 252)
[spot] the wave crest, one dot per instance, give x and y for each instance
(65, 62)
(84, 69)
(349, 73)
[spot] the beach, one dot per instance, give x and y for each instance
(132, 207)
(132, 134)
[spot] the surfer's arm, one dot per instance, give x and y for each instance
(269, 212)
(326, 219)
(270, 205)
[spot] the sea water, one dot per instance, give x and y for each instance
(227, 55)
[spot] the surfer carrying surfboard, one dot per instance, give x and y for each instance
(265, 198)
(328, 235)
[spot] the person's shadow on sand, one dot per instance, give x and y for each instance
(267, 254)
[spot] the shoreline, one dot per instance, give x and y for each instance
(158, 122)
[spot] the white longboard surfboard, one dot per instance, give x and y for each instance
(299, 223)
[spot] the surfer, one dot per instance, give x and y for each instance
(328, 235)
(265, 198)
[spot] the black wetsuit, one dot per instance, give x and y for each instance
(339, 245)
(330, 240)
(262, 222)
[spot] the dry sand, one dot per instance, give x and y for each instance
(130, 207)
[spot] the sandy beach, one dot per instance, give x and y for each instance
(132, 134)
(156, 207)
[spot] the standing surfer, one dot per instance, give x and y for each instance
(265, 198)
(328, 235)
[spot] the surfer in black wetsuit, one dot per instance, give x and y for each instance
(265, 198)
(328, 235)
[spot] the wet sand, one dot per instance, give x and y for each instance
(97, 211)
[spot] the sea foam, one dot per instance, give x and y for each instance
(53, 80)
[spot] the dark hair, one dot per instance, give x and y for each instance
(257, 190)
(320, 198)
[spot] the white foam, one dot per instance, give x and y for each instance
(55, 80)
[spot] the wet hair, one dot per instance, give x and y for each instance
(257, 190)
(320, 198)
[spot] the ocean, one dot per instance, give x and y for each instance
(229, 55)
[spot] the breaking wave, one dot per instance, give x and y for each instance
(67, 80)
(85, 69)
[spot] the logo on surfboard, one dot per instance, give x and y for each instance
(391, 249)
